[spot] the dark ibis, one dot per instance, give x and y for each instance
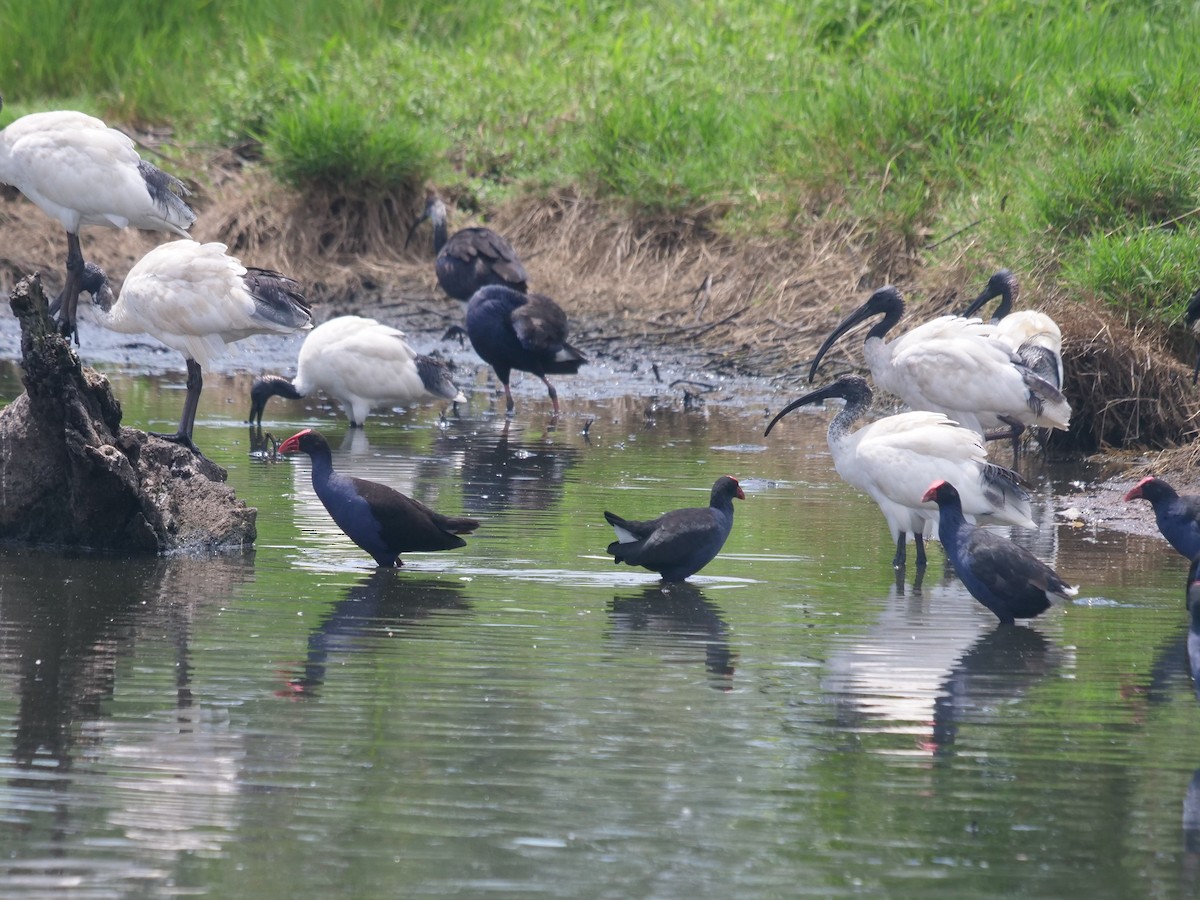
(470, 258)
(1192, 320)
(197, 299)
(1003, 576)
(1178, 515)
(893, 460)
(362, 363)
(80, 172)
(954, 366)
(528, 332)
(382, 521)
(680, 543)
(1032, 335)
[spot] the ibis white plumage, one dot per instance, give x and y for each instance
(362, 363)
(196, 299)
(892, 459)
(953, 366)
(1032, 335)
(80, 172)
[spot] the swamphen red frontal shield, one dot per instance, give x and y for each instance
(381, 520)
(680, 543)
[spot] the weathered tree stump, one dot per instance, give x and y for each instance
(71, 475)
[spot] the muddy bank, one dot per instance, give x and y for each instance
(643, 291)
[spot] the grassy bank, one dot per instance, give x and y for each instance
(1060, 136)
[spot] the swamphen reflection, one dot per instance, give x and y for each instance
(510, 330)
(1003, 576)
(1178, 515)
(381, 520)
(680, 543)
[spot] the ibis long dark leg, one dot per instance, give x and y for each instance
(898, 559)
(919, 540)
(64, 306)
(195, 383)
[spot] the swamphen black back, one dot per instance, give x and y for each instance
(382, 521)
(1003, 576)
(680, 543)
(510, 330)
(1178, 515)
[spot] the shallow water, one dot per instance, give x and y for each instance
(523, 718)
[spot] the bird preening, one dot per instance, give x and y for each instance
(80, 172)
(680, 543)
(382, 521)
(362, 364)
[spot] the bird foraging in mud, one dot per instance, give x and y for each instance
(470, 258)
(680, 543)
(528, 332)
(1003, 576)
(80, 172)
(1177, 515)
(196, 299)
(382, 521)
(362, 363)
(893, 459)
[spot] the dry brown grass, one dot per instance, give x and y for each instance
(757, 305)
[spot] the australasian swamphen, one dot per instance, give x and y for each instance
(362, 363)
(1178, 515)
(470, 258)
(528, 332)
(196, 299)
(80, 172)
(1003, 576)
(680, 543)
(382, 521)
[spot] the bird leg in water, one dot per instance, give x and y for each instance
(1015, 430)
(508, 400)
(195, 382)
(553, 393)
(899, 559)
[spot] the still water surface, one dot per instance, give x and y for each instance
(521, 718)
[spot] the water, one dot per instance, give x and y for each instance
(522, 718)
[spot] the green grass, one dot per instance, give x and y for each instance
(1069, 129)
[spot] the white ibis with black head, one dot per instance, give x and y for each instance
(196, 299)
(1032, 335)
(80, 172)
(951, 365)
(1177, 515)
(680, 543)
(470, 258)
(382, 521)
(362, 363)
(1003, 576)
(893, 459)
(528, 332)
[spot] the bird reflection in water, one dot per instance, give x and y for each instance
(500, 472)
(672, 616)
(381, 602)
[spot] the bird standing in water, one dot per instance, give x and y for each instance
(1177, 515)
(382, 521)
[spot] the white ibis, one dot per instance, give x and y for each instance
(680, 543)
(362, 363)
(196, 299)
(1178, 515)
(470, 258)
(80, 172)
(952, 367)
(382, 521)
(1032, 335)
(510, 330)
(1003, 576)
(894, 458)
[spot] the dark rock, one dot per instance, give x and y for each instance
(71, 475)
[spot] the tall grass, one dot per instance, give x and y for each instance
(1067, 129)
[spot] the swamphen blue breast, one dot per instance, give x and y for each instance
(1003, 576)
(1178, 515)
(382, 521)
(510, 330)
(680, 543)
